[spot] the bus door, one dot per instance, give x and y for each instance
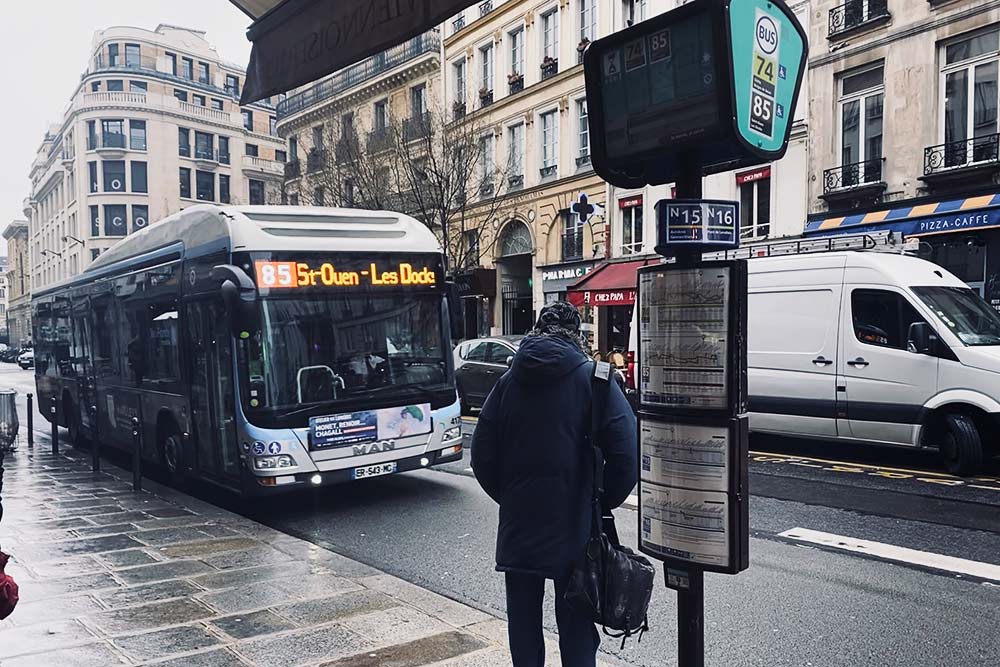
(212, 388)
(83, 366)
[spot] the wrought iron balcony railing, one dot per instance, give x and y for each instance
(428, 42)
(292, 169)
(379, 139)
(853, 176)
(346, 149)
(978, 151)
(550, 67)
(458, 23)
(417, 126)
(855, 13)
(316, 159)
(485, 8)
(572, 245)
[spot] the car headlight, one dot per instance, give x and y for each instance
(273, 462)
(454, 433)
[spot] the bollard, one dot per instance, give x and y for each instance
(95, 442)
(136, 455)
(31, 421)
(54, 416)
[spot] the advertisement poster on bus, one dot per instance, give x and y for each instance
(369, 425)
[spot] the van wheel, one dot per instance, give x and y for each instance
(172, 451)
(72, 423)
(961, 446)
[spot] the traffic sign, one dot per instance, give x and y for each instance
(705, 222)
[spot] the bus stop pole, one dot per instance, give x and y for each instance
(31, 421)
(54, 415)
(136, 455)
(95, 443)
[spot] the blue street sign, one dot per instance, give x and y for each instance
(706, 222)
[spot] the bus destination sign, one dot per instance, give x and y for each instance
(304, 274)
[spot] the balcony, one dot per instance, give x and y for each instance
(854, 183)
(293, 169)
(549, 171)
(353, 76)
(550, 67)
(458, 23)
(966, 162)
(316, 159)
(262, 166)
(205, 112)
(207, 158)
(458, 110)
(856, 15)
(346, 149)
(485, 98)
(583, 160)
(379, 140)
(572, 245)
(486, 188)
(417, 127)
(515, 82)
(485, 8)
(515, 181)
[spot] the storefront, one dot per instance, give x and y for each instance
(477, 289)
(611, 288)
(961, 235)
(556, 280)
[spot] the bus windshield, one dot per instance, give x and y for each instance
(320, 350)
(964, 312)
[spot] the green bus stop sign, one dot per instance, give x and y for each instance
(768, 52)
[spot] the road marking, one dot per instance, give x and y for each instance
(778, 458)
(894, 553)
(988, 488)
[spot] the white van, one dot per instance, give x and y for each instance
(874, 347)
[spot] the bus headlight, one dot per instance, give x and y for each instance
(273, 462)
(454, 433)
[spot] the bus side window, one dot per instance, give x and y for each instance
(105, 354)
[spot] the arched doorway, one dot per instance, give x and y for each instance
(514, 261)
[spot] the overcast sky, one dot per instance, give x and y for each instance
(46, 44)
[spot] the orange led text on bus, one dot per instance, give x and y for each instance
(277, 275)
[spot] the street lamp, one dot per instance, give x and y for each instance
(51, 252)
(70, 237)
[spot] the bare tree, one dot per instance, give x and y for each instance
(441, 169)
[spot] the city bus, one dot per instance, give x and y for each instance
(263, 348)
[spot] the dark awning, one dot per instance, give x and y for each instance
(611, 284)
(298, 41)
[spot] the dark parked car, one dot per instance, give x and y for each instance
(479, 363)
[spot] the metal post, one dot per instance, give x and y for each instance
(54, 417)
(95, 442)
(31, 421)
(691, 621)
(136, 455)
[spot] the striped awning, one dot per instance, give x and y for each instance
(930, 218)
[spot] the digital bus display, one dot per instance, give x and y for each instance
(359, 272)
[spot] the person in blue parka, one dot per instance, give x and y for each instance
(531, 454)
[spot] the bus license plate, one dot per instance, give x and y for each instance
(374, 471)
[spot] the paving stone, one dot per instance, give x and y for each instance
(174, 522)
(235, 577)
(337, 564)
(208, 547)
(150, 617)
(169, 512)
(251, 596)
(494, 657)
(171, 536)
(248, 558)
(90, 545)
(51, 588)
(60, 568)
(165, 643)
(394, 626)
(325, 610)
(31, 610)
(222, 657)
(160, 571)
(136, 595)
(83, 502)
(101, 654)
(118, 517)
(96, 510)
(47, 635)
(97, 531)
(449, 611)
(415, 653)
(243, 626)
(127, 558)
(316, 585)
(303, 646)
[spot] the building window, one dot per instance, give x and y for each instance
(318, 197)
(379, 117)
(224, 150)
(114, 220)
(293, 148)
(418, 101)
(172, 60)
(115, 85)
(133, 57)
(487, 157)
(970, 99)
(550, 34)
(633, 11)
(583, 131)
(861, 98)
(203, 75)
(114, 175)
(94, 254)
(113, 133)
(486, 68)
(224, 188)
(204, 146)
(280, 156)
(205, 185)
(272, 125)
(138, 87)
(91, 135)
(187, 68)
(247, 119)
(459, 78)
(92, 168)
(95, 86)
(217, 104)
(113, 55)
(293, 199)
(572, 239)
(233, 85)
(185, 180)
(588, 20)
(317, 137)
(181, 95)
(140, 216)
(515, 145)
(631, 225)
(755, 203)
(516, 39)
(139, 183)
(183, 142)
(257, 192)
(95, 221)
(470, 244)
(252, 149)
(198, 99)
(137, 135)
(550, 143)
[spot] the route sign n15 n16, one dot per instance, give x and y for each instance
(711, 85)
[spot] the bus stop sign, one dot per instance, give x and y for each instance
(709, 86)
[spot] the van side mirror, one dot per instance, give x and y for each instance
(921, 338)
(455, 319)
(239, 295)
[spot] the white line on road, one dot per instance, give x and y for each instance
(893, 553)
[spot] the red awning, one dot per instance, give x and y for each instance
(610, 284)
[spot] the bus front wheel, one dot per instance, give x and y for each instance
(172, 451)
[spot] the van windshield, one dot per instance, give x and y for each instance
(964, 312)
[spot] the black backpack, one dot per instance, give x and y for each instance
(610, 584)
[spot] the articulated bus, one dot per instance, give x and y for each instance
(263, 348)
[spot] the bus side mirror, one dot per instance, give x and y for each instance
(920, 338)
(239, 295)
(454, 311)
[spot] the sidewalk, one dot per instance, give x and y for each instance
(109, 577)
